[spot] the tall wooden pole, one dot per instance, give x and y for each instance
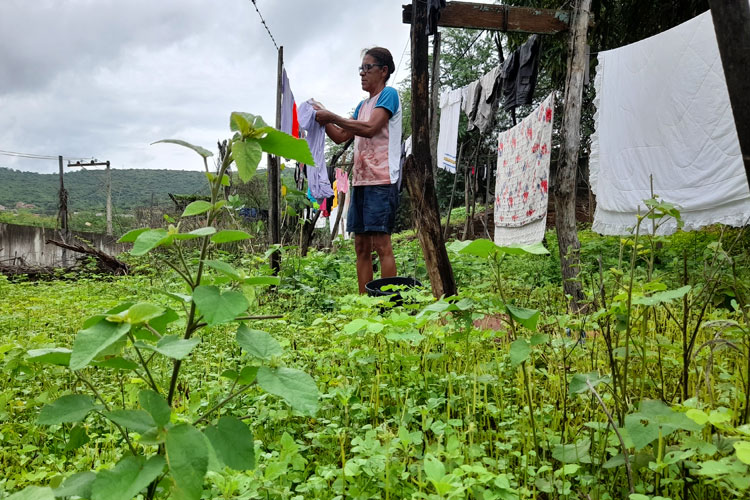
(63, 211)
(109, 200)
(732, 27)
(274, 180)
(418, 167)
(565, 181)
(434, 101)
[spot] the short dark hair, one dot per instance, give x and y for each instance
(382, 56)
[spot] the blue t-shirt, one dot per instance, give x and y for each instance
(388, 99)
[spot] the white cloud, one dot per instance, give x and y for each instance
(104, 79)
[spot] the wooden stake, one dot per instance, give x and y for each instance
(567, 166)
(418, 167)
(274, 180)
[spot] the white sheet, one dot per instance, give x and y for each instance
(450, 113)
(663, 110)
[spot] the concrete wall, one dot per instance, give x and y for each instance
(26, 245)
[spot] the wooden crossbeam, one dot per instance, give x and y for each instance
(499, 17)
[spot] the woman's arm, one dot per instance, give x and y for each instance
(341, 129)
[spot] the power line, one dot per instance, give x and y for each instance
(266, 26)
(34, 156)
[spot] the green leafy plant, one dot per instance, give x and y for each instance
(167, 453)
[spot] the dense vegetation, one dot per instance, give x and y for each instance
(435, 399)
(87, 189)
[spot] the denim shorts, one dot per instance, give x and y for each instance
(372, 209)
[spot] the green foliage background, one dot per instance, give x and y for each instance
(131, 188)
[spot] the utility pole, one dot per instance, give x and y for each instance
(62, 215)
(94, 163)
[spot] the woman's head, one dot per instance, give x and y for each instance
(383, 58)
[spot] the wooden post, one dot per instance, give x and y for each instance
(435, 102)
(62, 214)
(498, 17)
(109, 200)
(453, 192)
(274, 180)
(732, 27)
(418, 167)
(565, 180)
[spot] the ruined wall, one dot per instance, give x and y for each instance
(26, 245)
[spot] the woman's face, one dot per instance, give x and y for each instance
(374, 78)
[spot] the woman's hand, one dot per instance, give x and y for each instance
(316, 105)
(324, 117)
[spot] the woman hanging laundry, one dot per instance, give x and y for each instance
(376, 128)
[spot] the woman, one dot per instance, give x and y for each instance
(376, 128)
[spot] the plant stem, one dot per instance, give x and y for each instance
(619, 437)
(221, 403)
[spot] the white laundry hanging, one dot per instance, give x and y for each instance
(663, 110)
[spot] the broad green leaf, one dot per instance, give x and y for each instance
(175, 347)
(131, 235)
(662, 297)
(294, 386)
(434, 469)
(520, 350)
(280, 144)
(697, 416)
(196, 207)
(148, 240)
(138, 313)
(228, 235)
(526, 317)
(355, 325)
(33, 493)
(244, 123)
(77, 438)
(576, 453)
(641, 434)
(53, 356)
(217, 307)
(225, 269)
(578, 383)
(247, 375)
(95, 339)
(247, 154)
(233, 443)
(127, 478)
(201, 151)
(743, 451)
(70, 408)
(538, 339)
(156, 406)
(480, 247)
(196, 233)
(187, 456)
(138, 420)
(485, 248)
(664, 416)
(78, 485)
(168, 316)
(258, 343)
(116, 363)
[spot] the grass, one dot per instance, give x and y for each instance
(420, 403)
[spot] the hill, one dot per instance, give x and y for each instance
(131, 188)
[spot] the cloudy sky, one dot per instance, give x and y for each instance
(105, 78)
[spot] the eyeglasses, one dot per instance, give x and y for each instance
(365, 68)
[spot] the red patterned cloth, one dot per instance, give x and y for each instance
(523, 157)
